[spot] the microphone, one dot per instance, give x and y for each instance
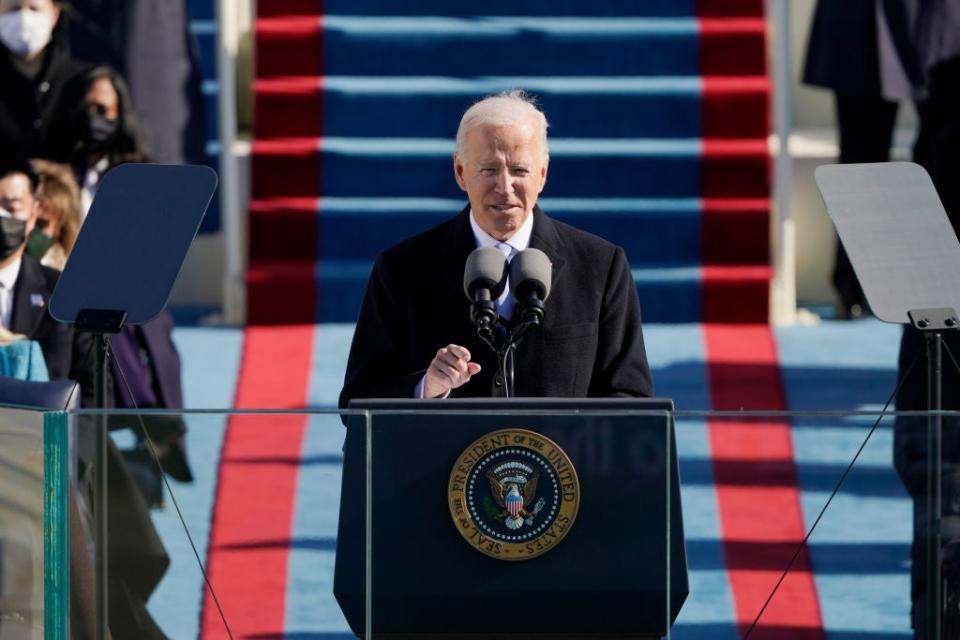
(484, 277)
(530, 278)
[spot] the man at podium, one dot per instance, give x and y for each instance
(415, 337)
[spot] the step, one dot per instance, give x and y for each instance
(279, 293)
(653, 232)
(586, 107)
(506, 46)
(512, 7)
(411, 167)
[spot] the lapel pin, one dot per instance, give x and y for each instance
(36, 300)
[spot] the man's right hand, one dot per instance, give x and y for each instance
(449, 369)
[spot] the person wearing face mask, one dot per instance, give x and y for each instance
(146, 352)
(109, 131)
(40, 83)
(26, 285)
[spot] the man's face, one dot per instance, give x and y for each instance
(503, 170)
(16, 198)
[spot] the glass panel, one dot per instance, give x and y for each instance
(259, 494)
(33, 531)
(310, 529)
(536, 521)
(755, 485)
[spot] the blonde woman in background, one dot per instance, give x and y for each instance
(58, 214)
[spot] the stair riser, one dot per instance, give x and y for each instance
(338, 300)
(735, 238)
(590, 115)
(343, 175)
(668, 239)
(267, 8)
(651, 239)
(339, 53)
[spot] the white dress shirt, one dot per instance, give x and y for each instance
(509, 247)
(8, 279)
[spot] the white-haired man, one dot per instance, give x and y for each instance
(414, 336)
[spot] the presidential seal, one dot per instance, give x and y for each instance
(513, 494)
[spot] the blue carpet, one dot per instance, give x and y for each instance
(859, 551)
(211, 361)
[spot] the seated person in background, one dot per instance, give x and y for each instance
(40, 84)
(414, 336)
(58, 214)
(26, 285)
(111, 134)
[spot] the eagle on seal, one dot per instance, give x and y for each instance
(514, 496)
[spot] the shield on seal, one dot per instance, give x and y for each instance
(514, 501)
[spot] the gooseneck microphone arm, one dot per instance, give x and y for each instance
(530, 279)
(484, 277)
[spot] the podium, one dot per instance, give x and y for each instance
(448, 557)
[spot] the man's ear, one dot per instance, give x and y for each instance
(458, 172)
(543, 176)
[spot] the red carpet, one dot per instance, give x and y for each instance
(759, 499)
(252, 519)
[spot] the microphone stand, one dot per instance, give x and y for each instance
(507, 350)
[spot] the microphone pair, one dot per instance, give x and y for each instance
(485, 276)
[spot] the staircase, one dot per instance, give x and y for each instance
(658, 113)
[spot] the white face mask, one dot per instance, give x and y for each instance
(26, 32)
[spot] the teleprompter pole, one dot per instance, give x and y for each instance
(933, 322)
(934, 347)
(100, 324)
(100, 358)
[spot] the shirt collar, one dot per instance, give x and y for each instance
(9, 274)
(519, 240)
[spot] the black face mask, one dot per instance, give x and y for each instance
(100, 130)
(13, 233)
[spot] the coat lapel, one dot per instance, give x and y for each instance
(546, 238)
(459, 242)
(457, 245)
(30, 299)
